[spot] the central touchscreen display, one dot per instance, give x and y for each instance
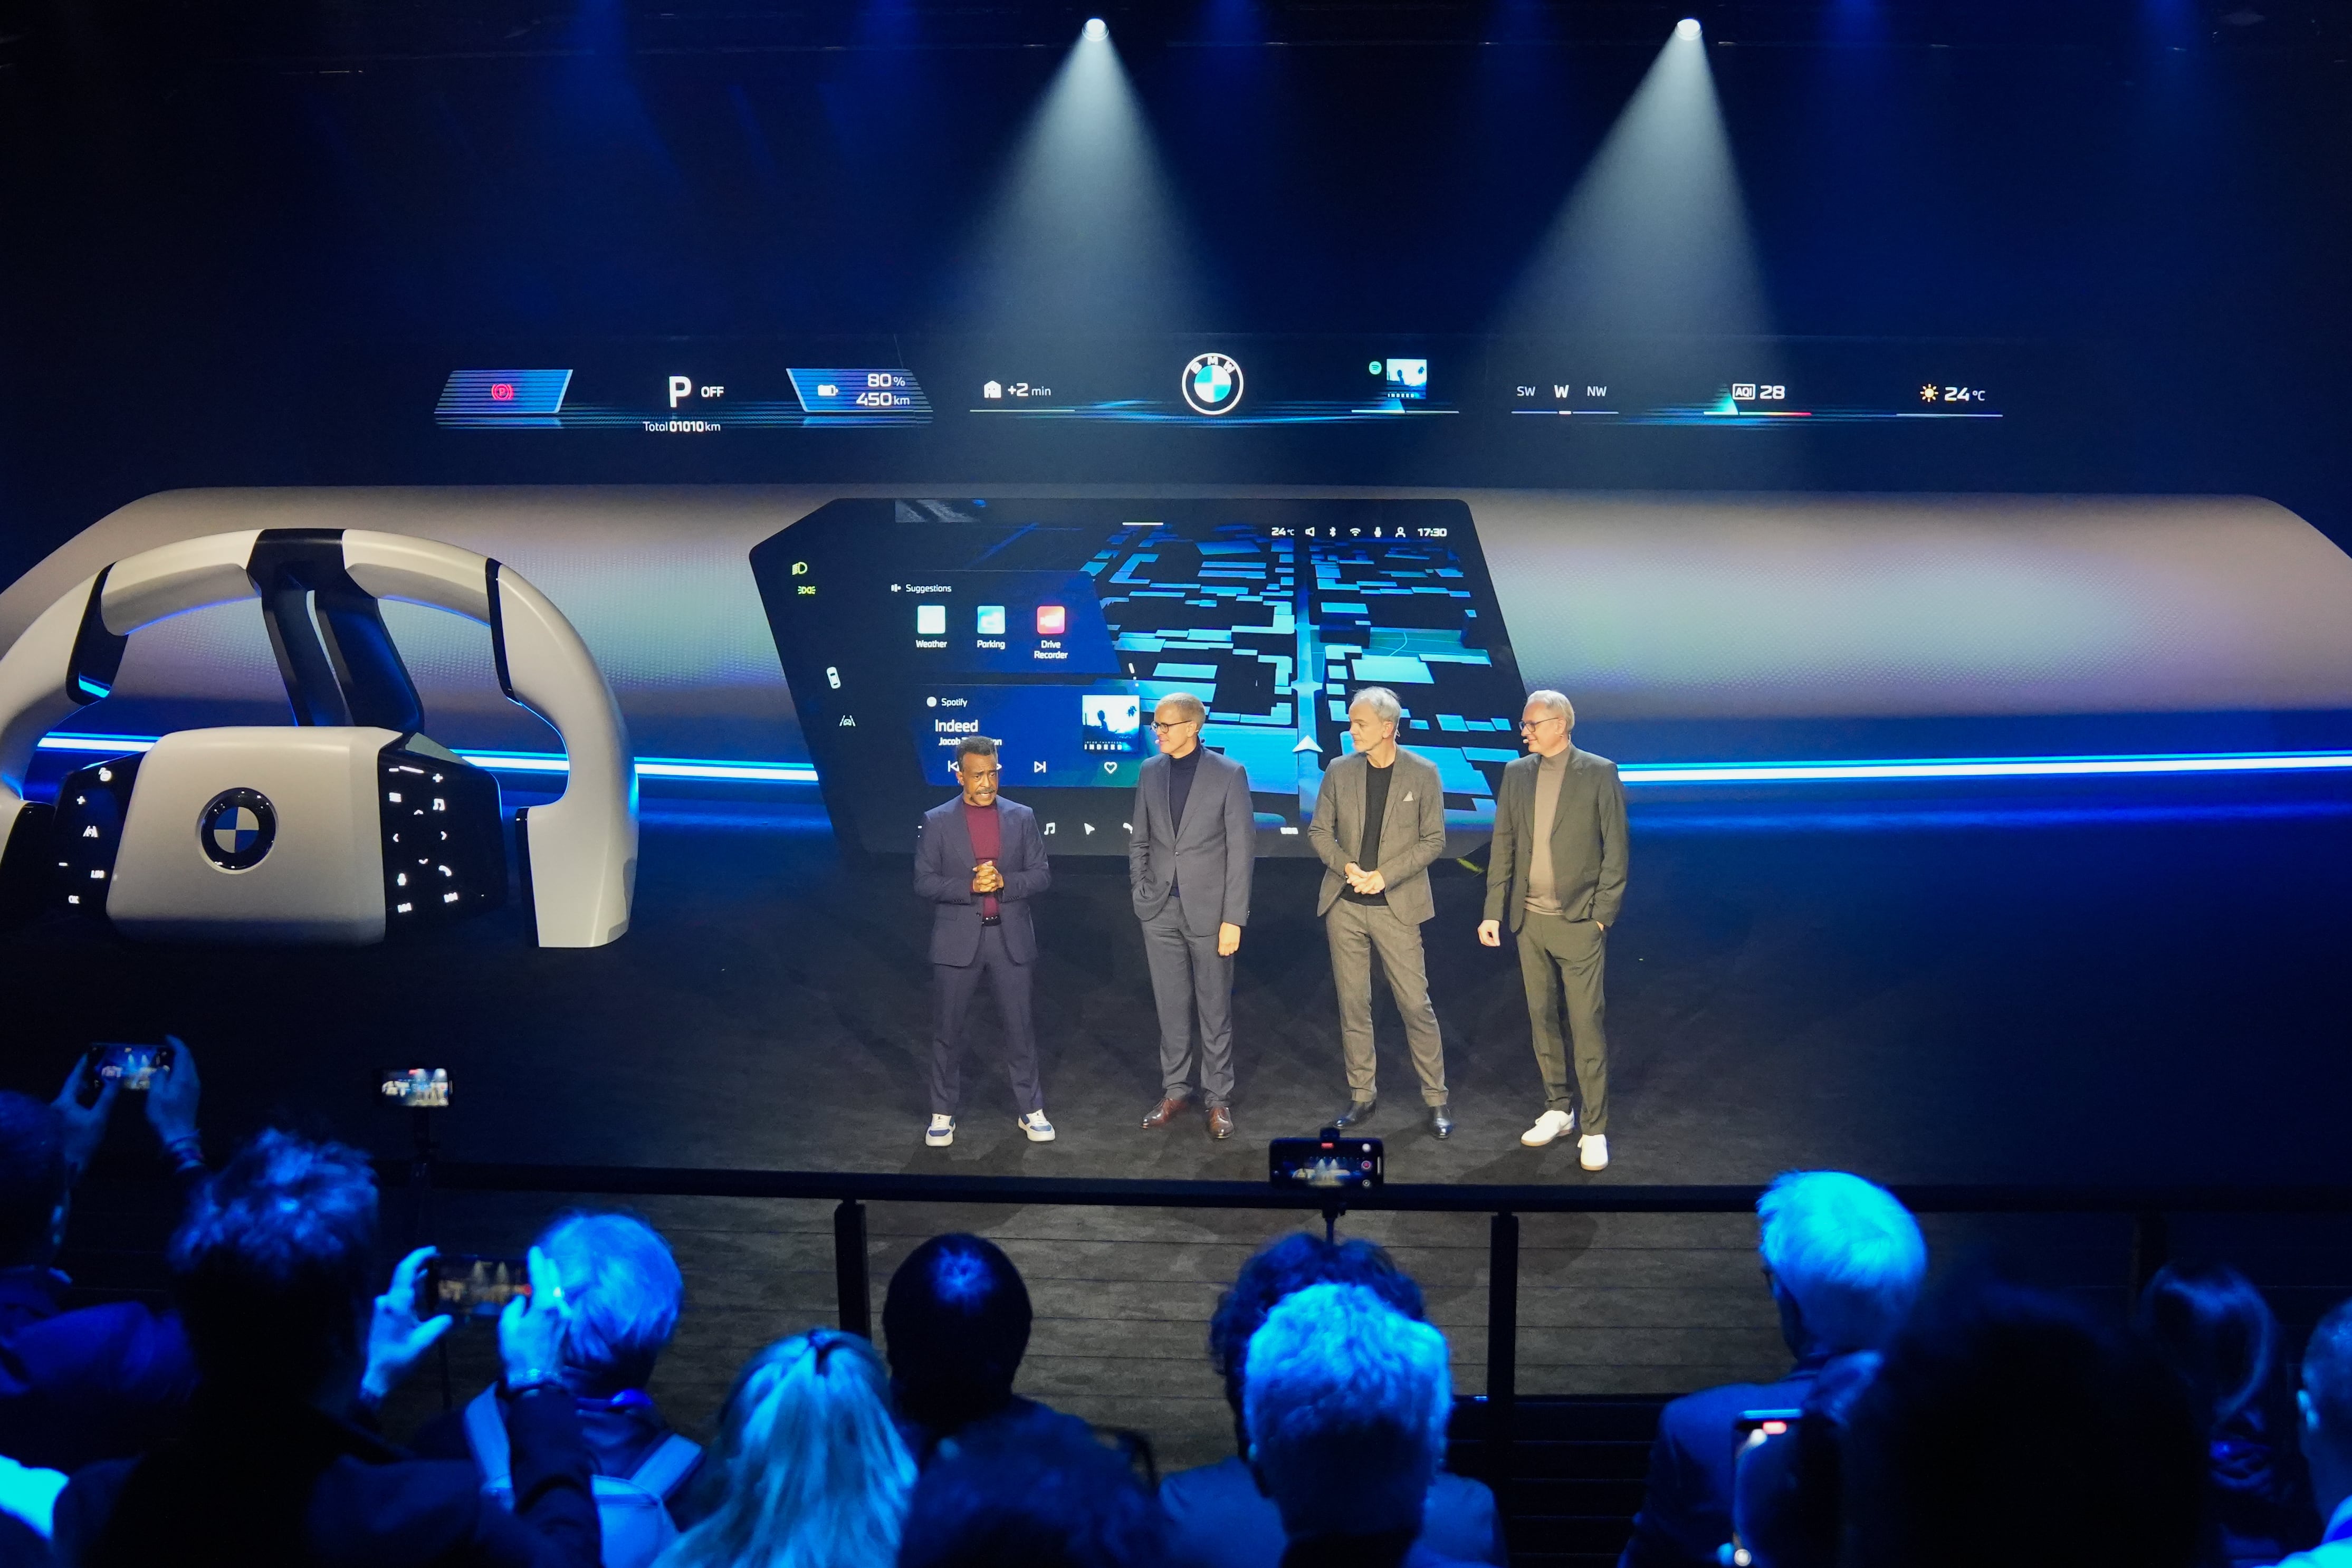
(1054, 627)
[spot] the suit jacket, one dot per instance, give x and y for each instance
(102, 1383)
(1412, 830)
(259, 1482)
(1686, 1506)
(1588, 841)
(1209, 859)
(943, 867)
(1218, 1518)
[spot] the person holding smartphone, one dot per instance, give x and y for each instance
(977, 863)
(99, 1382)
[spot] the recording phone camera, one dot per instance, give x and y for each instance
(470, 1288)
(133, 1066)
(419, 1088)
(1327, 1159)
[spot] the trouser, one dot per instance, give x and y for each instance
(1357, 932)
(1561, 957)
(1189, 975)
(952, 988)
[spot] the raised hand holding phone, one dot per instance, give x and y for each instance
(396, 1335)
(83, 1121)
(530, 1329)
(173, 1092)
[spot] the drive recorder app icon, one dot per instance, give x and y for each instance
(1052, 620)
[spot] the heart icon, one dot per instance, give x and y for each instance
(1111, 767)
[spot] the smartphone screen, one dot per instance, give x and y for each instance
(1331, 1162)
(424, 1089)
(470, 1288)
(134, 1067)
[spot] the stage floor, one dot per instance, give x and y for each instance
(1949, 997)
(2157, 993)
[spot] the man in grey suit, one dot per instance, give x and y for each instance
(1558, 871)
(1189, 863)
(1379, 820)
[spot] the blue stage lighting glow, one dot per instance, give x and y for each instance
(1983, 768)
(1640, 773)
(1096, 30)
(1686, 29)
(512, 761)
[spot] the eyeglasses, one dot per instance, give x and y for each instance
(1539, 723)
(1175, 724)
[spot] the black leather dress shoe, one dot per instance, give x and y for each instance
(1357, 1112)
(1441, 1121)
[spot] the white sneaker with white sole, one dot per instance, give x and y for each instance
(1593, 1150)
(942, 1131)
(1548, 1126)
(1039, 1130)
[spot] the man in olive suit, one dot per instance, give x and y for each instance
(1379, 820)
(1557, 874)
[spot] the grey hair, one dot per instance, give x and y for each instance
(1557, 701)
(1186, 703)
(974, 746)
(1382, 700)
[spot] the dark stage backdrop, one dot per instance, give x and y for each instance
(1893, 393)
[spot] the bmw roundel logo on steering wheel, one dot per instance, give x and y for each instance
(237, 829)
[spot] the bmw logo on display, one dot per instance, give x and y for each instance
(1212, 384)
(237, 829)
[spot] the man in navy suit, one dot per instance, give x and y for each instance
(1189, 857)
(980, 861)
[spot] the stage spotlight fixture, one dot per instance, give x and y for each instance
(1096, 30)
(1686, 29)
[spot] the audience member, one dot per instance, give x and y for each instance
(1347, 1401)
(271, 1269)
(2005, 1426)
(1217, 1516)
(1049, 1496)
(1787, 1486)
(623, 1291)
(809, 1471)
(2215, 1330)
(28, 1496)
(2324, 1405)
(956, 1320)
(99, 1383)
(1843, 1260)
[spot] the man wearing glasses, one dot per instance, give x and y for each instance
(980, 861)
(1557, 870)
(1188, 860)
(1379, 820)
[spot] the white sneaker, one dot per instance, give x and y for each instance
(942, 1131)
(1548, 1126)
(1593, 1150)
(1039, 1130)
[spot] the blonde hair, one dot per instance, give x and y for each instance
(809, 1467)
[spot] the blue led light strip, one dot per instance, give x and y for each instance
(1985, 768)
(1631, 772)
(511, 762)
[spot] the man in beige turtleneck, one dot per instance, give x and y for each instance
(1558, 873)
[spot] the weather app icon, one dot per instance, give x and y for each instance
(1212, 384)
